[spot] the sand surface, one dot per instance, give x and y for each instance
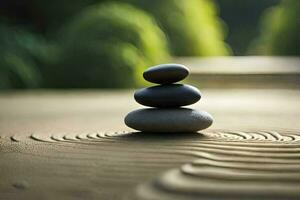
(74, 145)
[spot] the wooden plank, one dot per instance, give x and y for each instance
(244, 72)
(242, 65)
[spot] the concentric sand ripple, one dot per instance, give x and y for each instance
(234, 165)
(218, 164)
(217, 136)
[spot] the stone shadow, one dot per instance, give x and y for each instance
(159, 136)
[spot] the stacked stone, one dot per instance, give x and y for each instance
(167, 99)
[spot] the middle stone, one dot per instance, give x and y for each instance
(165, 96)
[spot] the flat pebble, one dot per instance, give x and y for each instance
(166, 73)
(168, 120)
(172, 95)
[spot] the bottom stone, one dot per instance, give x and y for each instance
(168, 120)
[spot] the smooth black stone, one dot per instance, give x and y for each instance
(164, 96)
(166, 73)
(168, 120)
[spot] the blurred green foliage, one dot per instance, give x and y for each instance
(280, 30)
(104, 44)
(242, 19)
(99, 43)
(192, 26)
(108, 45)
(18, 59)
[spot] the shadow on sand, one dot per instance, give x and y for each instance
(160, 136)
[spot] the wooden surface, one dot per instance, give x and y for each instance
(244, 72)
(71, 145)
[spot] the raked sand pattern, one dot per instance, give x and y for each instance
(212, 164)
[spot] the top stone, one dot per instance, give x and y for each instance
(166, 73)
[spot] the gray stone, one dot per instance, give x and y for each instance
(172, 95)
(166, 73)
(168, 120)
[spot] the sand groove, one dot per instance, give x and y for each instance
(211, 165)
(244, 165)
